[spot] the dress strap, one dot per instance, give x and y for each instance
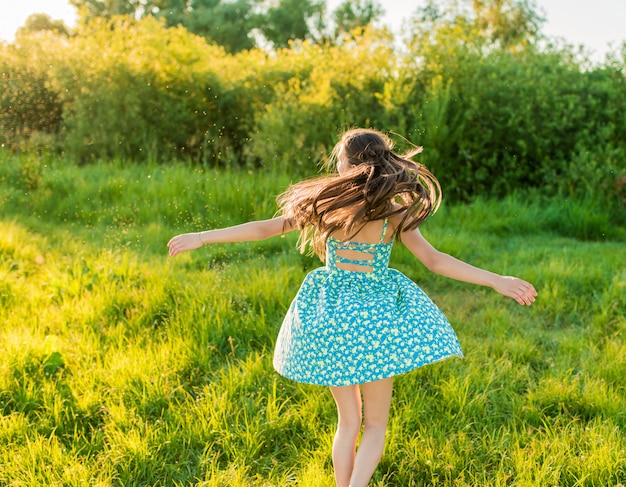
(382, 236)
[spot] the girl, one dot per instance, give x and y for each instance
(355, 323)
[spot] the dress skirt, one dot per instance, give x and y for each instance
(345, 328)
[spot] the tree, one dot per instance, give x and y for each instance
(507, 24)
(43, 23)
(239, 24)
(227, 23)
(352, 14)
(288, 20)
(88, 9)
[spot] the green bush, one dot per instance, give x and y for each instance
(136, 90)
(493, 119)
(329, 90)
(501, 121)
(30, 108)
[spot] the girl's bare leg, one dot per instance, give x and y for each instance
(348, 400)
(376, 404)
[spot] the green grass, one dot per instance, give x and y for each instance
(122, 367)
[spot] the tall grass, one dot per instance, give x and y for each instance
(122, 367)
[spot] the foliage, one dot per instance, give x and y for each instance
(125, 93)
(492, 128)
(89, 9)
(501, 24)
(291, 20)
(42, 23)
(355, 14)
(309, 107)
(496, 113)
(121, 367)
(226, 23)
(498, 116)
(30, 105)
(237, 25)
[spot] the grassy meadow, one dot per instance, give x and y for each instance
(122, 367)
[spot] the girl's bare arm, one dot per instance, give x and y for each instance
(440, 263)
(246, 232)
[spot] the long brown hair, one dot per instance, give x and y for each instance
(379, 184)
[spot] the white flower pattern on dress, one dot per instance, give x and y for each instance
(349, 327)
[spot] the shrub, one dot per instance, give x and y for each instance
(328, 90)
(492, 118)
(500, 121)
(136, 90)
(30, 106)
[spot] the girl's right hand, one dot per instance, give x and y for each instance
(521, 291)
(183, 243)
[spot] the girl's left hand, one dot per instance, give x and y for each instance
(521, 291)
(183, 243)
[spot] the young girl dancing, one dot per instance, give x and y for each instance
(355, 323)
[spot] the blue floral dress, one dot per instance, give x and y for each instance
(348, 327)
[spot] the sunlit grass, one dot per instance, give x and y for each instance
(123, 367)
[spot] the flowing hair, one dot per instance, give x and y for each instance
(379, 184)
